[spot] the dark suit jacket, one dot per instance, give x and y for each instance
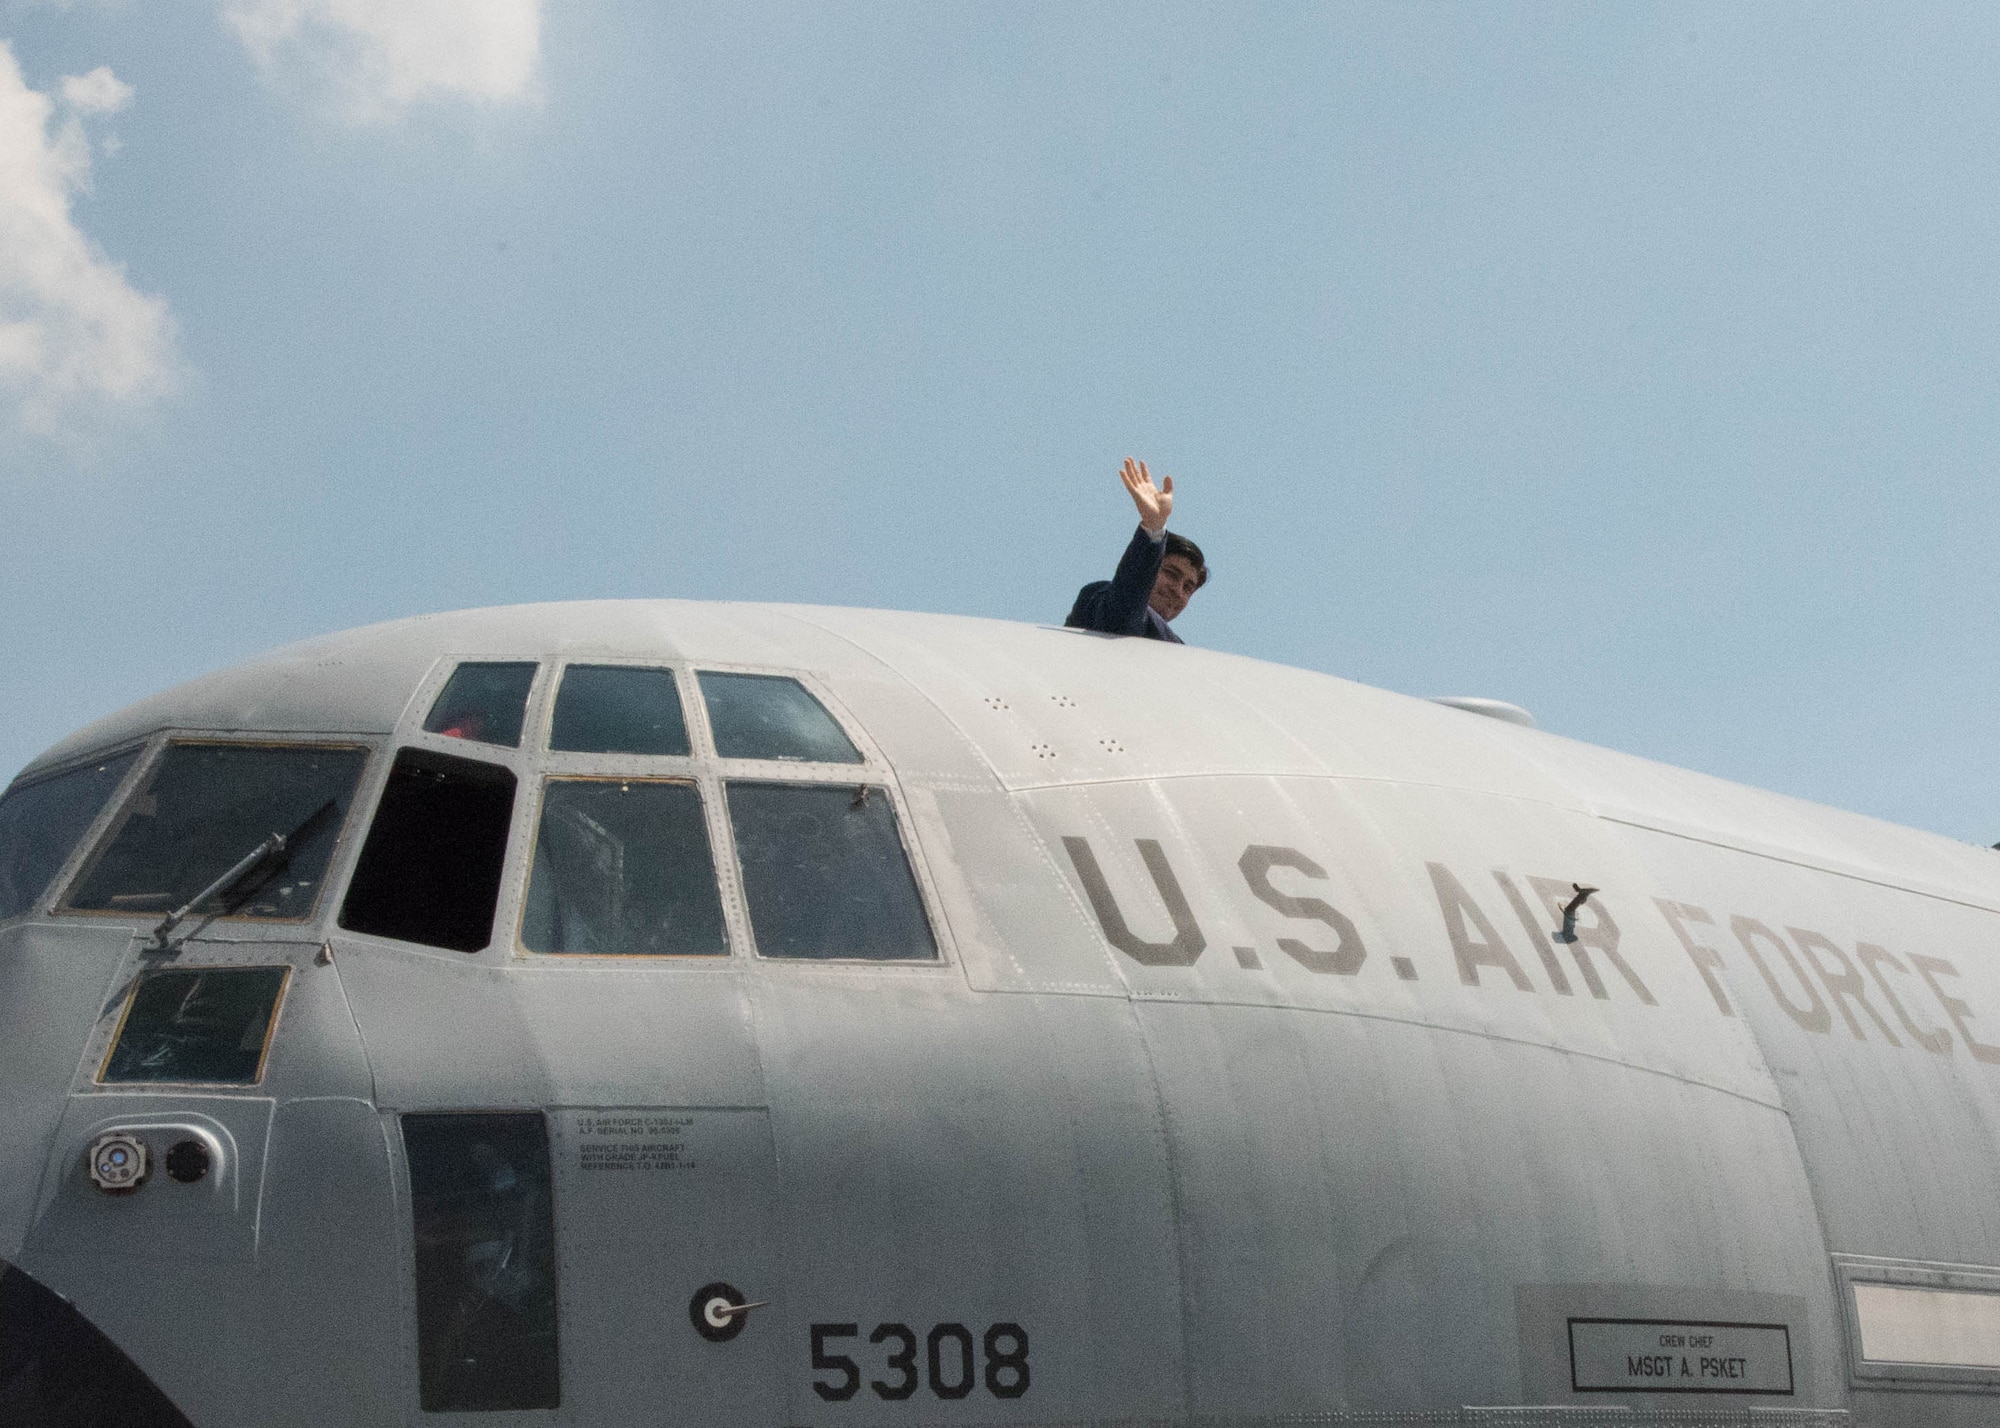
(1118, 606)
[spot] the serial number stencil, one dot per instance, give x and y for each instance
(633, 1140)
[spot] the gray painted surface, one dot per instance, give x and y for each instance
(1260, 1078)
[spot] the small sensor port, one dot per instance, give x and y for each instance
(118, 1163)
(187, 1161)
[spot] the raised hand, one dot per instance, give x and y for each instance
(1155, 504)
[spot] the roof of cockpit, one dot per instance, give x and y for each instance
(1180, 710)
(359, 681)
(1192, 711)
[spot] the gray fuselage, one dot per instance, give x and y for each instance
(1123, 1033)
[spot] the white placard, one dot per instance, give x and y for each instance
(1906, 1324)
(1672, 1356)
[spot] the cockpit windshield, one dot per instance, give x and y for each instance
(623, 866)
(203, 807)
(41, 821)
(825, 873)
(772, 716)
(619, 709)
(483, 702)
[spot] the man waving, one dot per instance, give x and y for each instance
(1156, 576)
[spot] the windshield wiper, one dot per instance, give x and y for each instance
(267, 859)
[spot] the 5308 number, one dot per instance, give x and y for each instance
(948, 1361)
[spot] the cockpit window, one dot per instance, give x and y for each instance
(483, 703)
(488, 1308)
(197, 1024)
(618, 709)
(825, 873)
(770, 716)
(40, 823)
(203, 808)
(622, 866)
(430, 870)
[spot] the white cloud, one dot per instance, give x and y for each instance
(382, 56)
(99, 92)
(73, 332)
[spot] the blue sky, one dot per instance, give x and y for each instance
(1633, 363)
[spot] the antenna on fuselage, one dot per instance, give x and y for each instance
(1571, 908)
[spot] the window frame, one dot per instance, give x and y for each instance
(99, 1078)
(869, 755)
(899, 820)
(532, 763)
(542, 731)
(432, 689)
(684, 780)
(524, 761)
(391, 754)
(1851, 1270)
(874, 770)
(536, 763)
(119, 807)
(85, 847)
(412, 1286)
(410, 728)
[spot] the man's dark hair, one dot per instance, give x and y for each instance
(1187, 550)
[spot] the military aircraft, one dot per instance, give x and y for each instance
(676, 1013)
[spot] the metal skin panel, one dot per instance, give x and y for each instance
(361, 681)
(445, 1034)
(1376, 845)
(948, 1158)
(656, 1202)
(1360, 1199)
(996, 873)
(317, 1053)
(1530, 1137)
(331, 1245)
(1889, 1068)
(56, 979)
(618, 1056)
(135, 1264)
(170, 1271)
(1054, 706)
(214, 1219)
(1626, 790)
(1899, 1138)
